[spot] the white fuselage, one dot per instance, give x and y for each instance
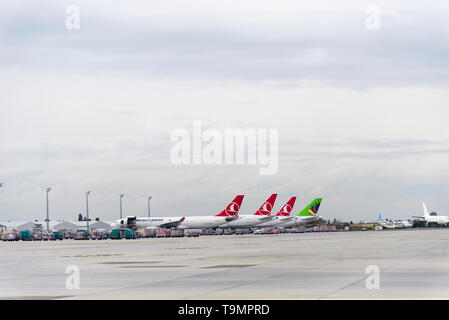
(154, 222)
(275, 222)
(199, 222)
(387, 224)
(406, 224)
(246, 221)
(403, 224)
(145, 222)
(188, 223)
(298, 220)
(441, 220)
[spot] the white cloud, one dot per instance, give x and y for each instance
(362, 116)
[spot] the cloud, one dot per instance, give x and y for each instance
(290, 44)
(362, 115)
(367, 149)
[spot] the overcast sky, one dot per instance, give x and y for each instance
(362, 113)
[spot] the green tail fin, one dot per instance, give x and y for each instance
(311, 209)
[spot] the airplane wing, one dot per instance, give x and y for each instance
(231, 218)
(418, 218)
(172, 224)
(267, 218)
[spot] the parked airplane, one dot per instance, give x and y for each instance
(250, 220)
(308, 214)
(385, 223)
(403, 223)
(430, 218)
(281, 217)
(197, 222)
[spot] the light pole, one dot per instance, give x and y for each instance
(149, 198)
(121, 197)
(48, 219)
(87, 209)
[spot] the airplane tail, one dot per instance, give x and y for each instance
(232, 208)
(287, 208)
(426, 212)
(265, 209)
(380, 218)
(312, 209)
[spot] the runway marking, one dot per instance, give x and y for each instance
(36, 297)
(130, 262)
(230, 266)
(96, 255)
(166, 266)
(382, 270)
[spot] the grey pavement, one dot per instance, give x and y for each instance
(413, 264)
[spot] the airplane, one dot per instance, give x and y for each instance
(308, 214)
(281, 217)
(250, 220)
(403, 224)
(385, 223)
(431, 218)
(193, 222)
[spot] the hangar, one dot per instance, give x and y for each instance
(65, 225)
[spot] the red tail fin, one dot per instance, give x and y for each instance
(233, 208)
(266, 208)
(287, 208)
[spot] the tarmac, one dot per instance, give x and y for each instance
(411, 264)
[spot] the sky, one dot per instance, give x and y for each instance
(362, 112)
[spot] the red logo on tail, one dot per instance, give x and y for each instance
(287, 208)
(233, 208)
(266, 208)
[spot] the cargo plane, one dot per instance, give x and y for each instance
(432, 218)
(188, 222)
